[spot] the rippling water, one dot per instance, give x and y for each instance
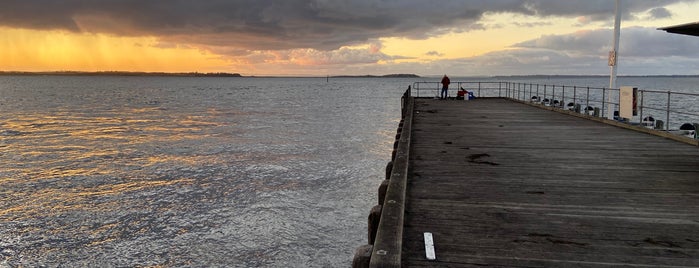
(192, 172)
(152, 171)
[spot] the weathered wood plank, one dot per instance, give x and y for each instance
(500, 183)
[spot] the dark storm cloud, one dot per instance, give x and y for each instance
(596, 9)
(660, 13)
(577, 43)
(287, 24)
(642, 51)
(648, 42)
(635, 42)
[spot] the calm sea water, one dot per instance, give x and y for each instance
(195, 172)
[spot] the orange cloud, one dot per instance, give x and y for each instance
(35, 50)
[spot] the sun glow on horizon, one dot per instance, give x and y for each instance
(34, 50)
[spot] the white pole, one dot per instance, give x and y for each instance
(613, 59)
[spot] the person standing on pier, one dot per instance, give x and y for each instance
(445, 87)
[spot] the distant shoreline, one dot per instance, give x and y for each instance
(223, 74)
(188, 74)
(377, 76)
(119, 73)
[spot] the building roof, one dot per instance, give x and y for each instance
(688, 29)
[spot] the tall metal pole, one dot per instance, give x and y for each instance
(613, 59)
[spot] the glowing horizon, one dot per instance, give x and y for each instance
(56, 50)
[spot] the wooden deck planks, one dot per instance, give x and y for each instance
(500, 183)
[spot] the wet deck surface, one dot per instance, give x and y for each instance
(500, 183)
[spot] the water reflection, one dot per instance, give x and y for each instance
(174, 172)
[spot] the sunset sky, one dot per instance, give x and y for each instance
(337, 37)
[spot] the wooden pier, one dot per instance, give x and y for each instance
(507, 184)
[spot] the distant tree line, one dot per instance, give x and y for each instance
(121, 73)
(380, 76)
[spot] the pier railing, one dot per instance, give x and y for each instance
(592, 100)
(675, 108)
(668, 109)
(479, 89)
(673, 105)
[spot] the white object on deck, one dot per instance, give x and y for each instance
(429, 246)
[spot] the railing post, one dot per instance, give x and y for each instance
(575, 93)
(418, 90)
(511, 90)
(563, 97)
(510, 85)
(604, 95)
(507, 90)
(416, 86)
(527, 95)
(587, 99)
(500, 89)
(640, 110)
(479, 89)
(667, 123)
